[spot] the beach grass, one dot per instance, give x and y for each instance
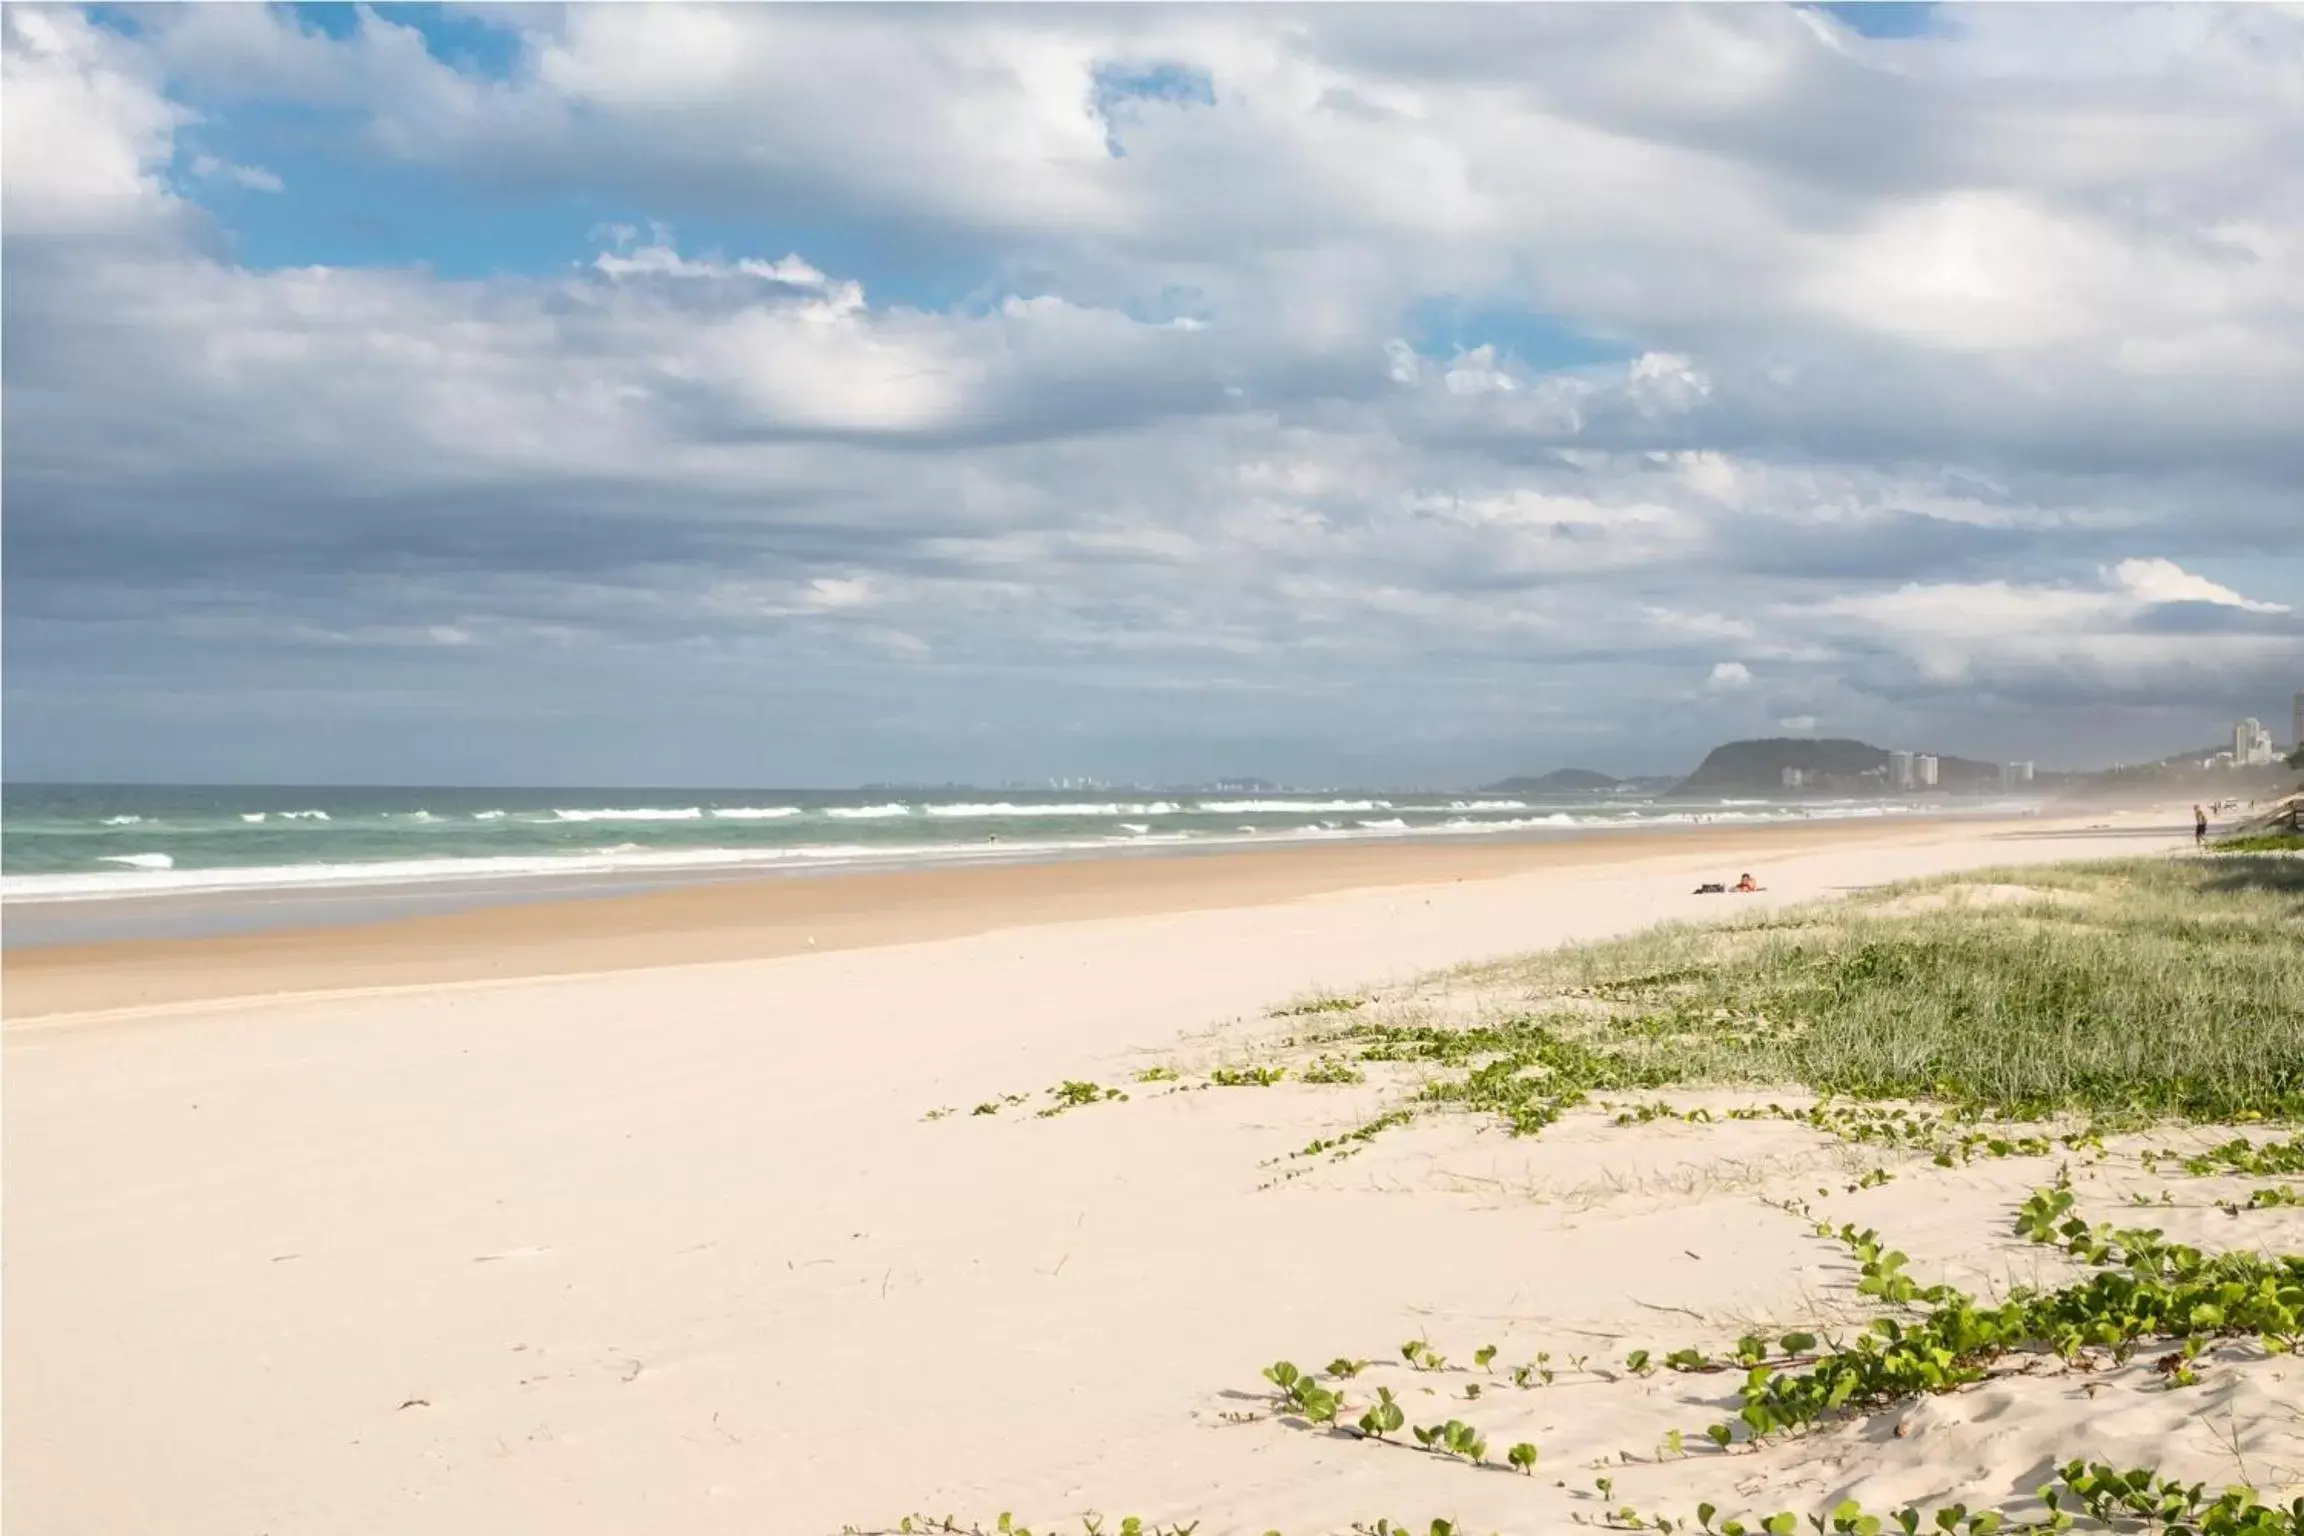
(2108, 995)
(2127, 989)
(2262, 842)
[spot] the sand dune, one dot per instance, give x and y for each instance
(677, 1249)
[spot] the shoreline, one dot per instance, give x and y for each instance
(693, 1247)
(634, 865)
(732, 918)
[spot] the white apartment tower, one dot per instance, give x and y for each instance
(2251, 744)
(1899, 770)
(1924, 767)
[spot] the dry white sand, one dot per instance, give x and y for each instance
(676, 1250)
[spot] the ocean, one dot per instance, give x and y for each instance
(78, 842)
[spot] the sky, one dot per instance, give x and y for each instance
(1368, 394)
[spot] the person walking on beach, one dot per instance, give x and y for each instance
(2199, 827)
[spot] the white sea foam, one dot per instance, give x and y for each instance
(488, 815)
(1009, 808)
(422, 816)
(123, 821)
(639, 813)
(1287, 807)
(251, 815)
(303, 815)
(1137, 827)
(868, 812)
(1487, 805)
(1524, 823)
(754, 812)
(150, 878)
(145, 874)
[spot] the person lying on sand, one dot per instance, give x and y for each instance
(1747, 884)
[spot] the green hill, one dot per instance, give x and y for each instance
(1830, 763)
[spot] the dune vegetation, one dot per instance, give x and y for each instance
(2064, 1013)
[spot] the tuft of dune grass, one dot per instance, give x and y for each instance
(2147, 987)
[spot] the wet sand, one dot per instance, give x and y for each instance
(747, 919)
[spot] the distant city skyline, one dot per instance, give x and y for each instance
(1359, 395)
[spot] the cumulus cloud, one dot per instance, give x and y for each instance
(2130, 635)
(253, 177)
(2164, 581)
(1072, 372)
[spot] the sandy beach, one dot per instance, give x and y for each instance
(712, 920)
(566, 1218)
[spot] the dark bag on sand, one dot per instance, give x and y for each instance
(1712, 888)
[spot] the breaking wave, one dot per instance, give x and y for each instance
(642, 813)
(1286, 807)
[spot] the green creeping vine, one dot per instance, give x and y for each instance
(2158, 1290)
(1065, 1095)
(2137, 1499)
(2085, 1495)
(1301, 1392)
(1949, 1137)
(1247, 1077)
(2263, 1200)
(1357, 1139)
(1939, 1338)
(1072, 1095)
(2237, 1156)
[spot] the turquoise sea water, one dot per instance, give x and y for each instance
(82, 841)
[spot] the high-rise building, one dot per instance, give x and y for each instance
(1899, 770)
(2251, 744)
(2013, 774)
(1924, 769)
(1794, 778)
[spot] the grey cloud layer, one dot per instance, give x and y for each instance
(1929, 349)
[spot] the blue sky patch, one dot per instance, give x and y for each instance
(1886, 18)
(1116, 85)
(1442, 327)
